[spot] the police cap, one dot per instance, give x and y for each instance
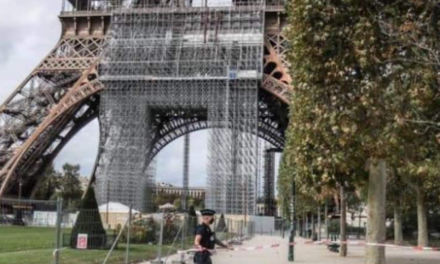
(207, 212)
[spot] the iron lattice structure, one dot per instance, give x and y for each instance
(204, 59)
(153, 71)
(270, 206)
(185, 183)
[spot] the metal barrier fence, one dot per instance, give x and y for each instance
(42, 232)
(27, 227)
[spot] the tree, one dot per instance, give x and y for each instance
(413, 27)
(48, 187)
(341, 111)
(70, 186)
(178, 203)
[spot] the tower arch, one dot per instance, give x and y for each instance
(69, 87)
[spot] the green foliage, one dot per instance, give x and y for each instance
(65, 184)
(178, 204)
(36, 245)
(198, 203)
(163, 198)
(70, 186)
(142, 231)
(50, 183)
(366, 88)
(171, 228)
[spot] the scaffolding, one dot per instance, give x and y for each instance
(269, 182)
(207, 59)
(186, 148)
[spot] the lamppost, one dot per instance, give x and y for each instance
(291, 257)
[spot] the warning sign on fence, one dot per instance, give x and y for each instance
(82, 241)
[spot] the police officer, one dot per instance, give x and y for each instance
(205, 239)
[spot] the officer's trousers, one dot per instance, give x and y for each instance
(203, 257)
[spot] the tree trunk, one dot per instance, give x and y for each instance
(359, 225)
(319, 223)
(398, 233)
(304, 227)
(422, 223)
(376, 224)
(313, 227)
(343, 224)
(307, 227)
(326, 220)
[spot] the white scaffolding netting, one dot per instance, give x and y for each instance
(206, 59)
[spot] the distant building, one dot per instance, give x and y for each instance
(261, 210)
(166, 188)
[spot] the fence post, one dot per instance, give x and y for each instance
(182, 243)
(58, 230)
(159, 246)
(241, 230)
(127, 250)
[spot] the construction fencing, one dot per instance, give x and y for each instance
(46, 232)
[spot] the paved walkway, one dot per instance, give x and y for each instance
(313, 254)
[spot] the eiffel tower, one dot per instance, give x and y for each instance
(152, 71)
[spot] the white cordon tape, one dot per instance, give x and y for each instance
(257, 248)
(235, 249)
(362, 243)
(324, 242)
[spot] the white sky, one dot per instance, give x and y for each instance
(29, 29)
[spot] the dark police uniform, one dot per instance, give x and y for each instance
(207, 241)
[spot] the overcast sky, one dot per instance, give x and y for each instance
(29, 29)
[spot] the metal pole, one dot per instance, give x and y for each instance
(229, 229)
(114, 243)
(182, 244)
(291, 256)
(159, 248)
(58, 231)
(186, 154)
(183, 232)
(108, 201)
(127, 249)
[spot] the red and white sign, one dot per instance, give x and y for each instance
(81, 243)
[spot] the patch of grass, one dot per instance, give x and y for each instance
(18, 238)
(33, 245)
